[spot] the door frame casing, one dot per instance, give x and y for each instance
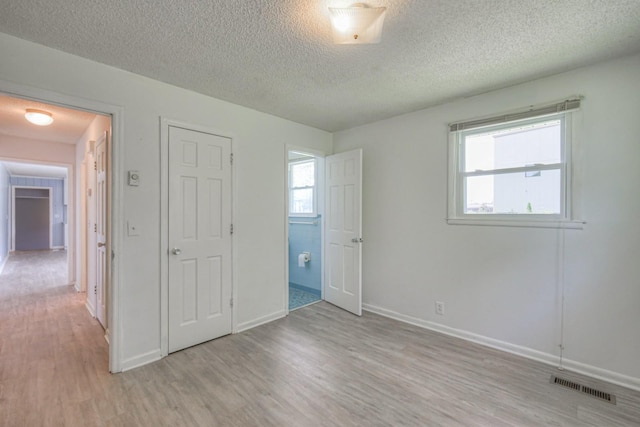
(13, 213)
(165, 124)
(115, 197)
(321, 204)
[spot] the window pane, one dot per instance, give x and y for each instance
(514, 193)
(303, 174)
(518, 146)
(302, 201)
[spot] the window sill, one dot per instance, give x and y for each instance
(526, 223)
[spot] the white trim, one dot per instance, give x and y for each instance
(529, 353)
(165, 123)
(89, 308)
(4, 261)
(573, 225)
(117, 208)
(39, 177)
(261, 321)
(140, 360)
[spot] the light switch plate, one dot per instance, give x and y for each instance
(134, 178)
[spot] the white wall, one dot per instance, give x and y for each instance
(500, 285)
(12, 147)
(259, 141)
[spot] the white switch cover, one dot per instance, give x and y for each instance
(132, 229)
(133, 178)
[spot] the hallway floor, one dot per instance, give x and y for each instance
(53, 357)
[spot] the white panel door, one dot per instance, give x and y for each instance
(343, 230)
(91, 229)
(199, 237)
(101, 229)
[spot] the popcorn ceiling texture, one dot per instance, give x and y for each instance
(277, 56)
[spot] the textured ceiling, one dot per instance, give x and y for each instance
(277, 56)
(67, 127)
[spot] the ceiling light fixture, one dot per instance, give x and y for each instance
(357, 24)
(38, 117)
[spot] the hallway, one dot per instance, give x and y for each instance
(46, 338)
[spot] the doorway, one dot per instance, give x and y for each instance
(305, 175)
(331, 185)
(34, 210)
(32, 223)
(62, 142)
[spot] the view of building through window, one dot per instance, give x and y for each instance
(514, 170)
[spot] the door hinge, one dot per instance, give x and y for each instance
(231, 302)
(95, 166)
(231, 229)
(231, 158)
(95, 228)
(95, 289)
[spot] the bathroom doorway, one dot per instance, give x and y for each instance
(305, 203)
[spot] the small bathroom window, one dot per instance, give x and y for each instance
(302, 187)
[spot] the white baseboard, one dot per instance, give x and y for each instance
(155, 355)
(4, 261)
(90, 309)
(602, 374)
(260, 321)
(143, 359)
(549, 359)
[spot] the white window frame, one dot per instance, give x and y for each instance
(568, 208)
(314, 189)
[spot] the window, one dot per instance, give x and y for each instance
(513, 170)
(302, 188)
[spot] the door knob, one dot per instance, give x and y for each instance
(176, 251)
(101, 245)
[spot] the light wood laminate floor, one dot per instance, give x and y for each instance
(320, 366)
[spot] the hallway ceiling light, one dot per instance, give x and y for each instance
(357, 24)
(38, 117)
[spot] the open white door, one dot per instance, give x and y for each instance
(343, 231)
(199, 237)
(101, 229)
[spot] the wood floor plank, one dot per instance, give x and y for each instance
(321, 366)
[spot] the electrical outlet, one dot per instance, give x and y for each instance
(440, 308)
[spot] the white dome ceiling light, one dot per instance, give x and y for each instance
(38, 117)
(357, 24)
